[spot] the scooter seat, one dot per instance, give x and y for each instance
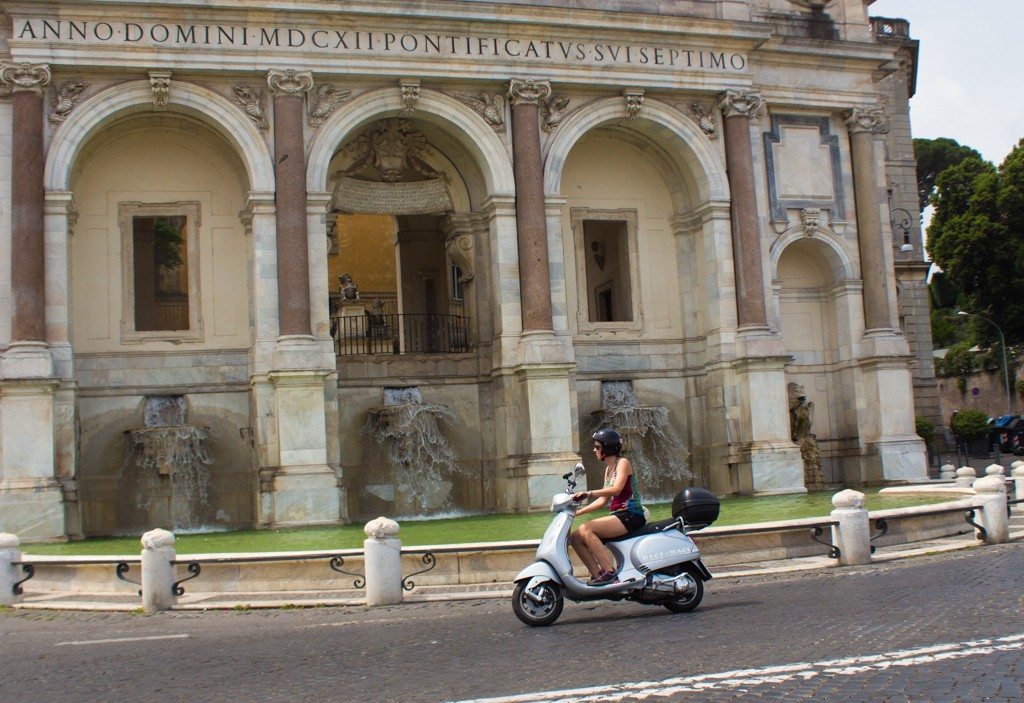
(648, 529)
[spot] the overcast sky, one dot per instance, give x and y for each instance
(969, 70)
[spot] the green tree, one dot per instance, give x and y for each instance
(933, 157)
(977, 237)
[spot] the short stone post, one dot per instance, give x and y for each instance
(965, 477)
(947, 472)
(1018, 480)
(994, 470)
(992, 492)
(382, 560)
(853, 533)
(157, 571)
(9, 573)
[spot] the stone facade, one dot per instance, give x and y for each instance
(689, 196)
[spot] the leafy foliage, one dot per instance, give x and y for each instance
(969, 424)
(959, 361)
(977, 237)
(925, 428)
(933, 157)
(167, 243)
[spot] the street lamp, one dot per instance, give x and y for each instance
(1002, 346)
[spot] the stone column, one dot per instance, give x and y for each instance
(289, 88)
(531, 225)
(738, 108)
(157, 571)
(31, 499)
(865, 124)
(382, 562)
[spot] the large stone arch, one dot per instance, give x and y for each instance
(432, 107)
(839, 262)
(137, 97)
(664, 125)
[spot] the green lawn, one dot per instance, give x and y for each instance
(478, 528)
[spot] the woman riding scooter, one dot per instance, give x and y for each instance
(620, 489)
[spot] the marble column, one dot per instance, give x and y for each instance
(865, 125)
(31, 498)
(288, 89)
(531, 224)
(738, 108)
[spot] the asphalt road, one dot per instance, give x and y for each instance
(942, 628)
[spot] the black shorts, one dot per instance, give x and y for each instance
(631, 521)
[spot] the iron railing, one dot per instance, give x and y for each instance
(405, 333)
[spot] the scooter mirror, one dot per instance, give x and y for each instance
(579, 470)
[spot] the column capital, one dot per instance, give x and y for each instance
(24, 77)
(866, 119)
(289, 82)
(744, 103)
(528, 90)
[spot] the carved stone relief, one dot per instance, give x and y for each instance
(488, 106)
(324, 101)
(391, 147)
(866, 119)
(289, 82)
(528, 90)
(634, 98)
(747, 103)
(704, 115)
(459, 248)
(253, 102)
(552, 111)
(25, 76)
(161, 84)
(410, 88)
(64, 98)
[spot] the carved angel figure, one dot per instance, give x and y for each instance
(490, 107)
(251, 100)
(64, 98)
(326, 100)
(553, 111)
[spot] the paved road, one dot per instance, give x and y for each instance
(943, 628)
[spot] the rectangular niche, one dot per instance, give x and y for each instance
(804, 170)
(160, 271)
(607, 275)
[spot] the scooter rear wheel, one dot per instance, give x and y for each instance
(542, 610)
(689, 601)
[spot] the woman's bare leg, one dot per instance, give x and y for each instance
(585, 555)
(595, 531)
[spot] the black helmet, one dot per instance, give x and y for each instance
(609, 439)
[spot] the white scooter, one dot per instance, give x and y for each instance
(658, 564)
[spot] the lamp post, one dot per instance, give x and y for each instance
(1002, 346)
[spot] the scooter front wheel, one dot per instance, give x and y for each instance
(539, 606)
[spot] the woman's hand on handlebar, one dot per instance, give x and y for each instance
(580, 497)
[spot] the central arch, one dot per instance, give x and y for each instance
(432, 107)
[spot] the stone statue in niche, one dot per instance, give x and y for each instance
(392, 147)
(349, 290)
(801, 417)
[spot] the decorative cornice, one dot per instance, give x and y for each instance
(866, 119)
(289, 82)
(744, 103)
(410, 88)
(528, 90)
(25, 77)
(161, 83)
(634, 98)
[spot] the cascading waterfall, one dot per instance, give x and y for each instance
(421, 460)
(168, 464)
(652, 445)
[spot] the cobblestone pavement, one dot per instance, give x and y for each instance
(943, 628)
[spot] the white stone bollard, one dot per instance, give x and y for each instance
(994, 470)
(9, 573)
(965, 476)
(1018, 480)
(992, 492)
(157, 571)
(382, 560)
(853, 533)
(947, 472)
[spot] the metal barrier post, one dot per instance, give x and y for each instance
(157, 571)
(992, 492)
(853, 533)
(9, 556)
(382, 561)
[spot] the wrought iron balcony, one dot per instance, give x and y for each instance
(392, 333)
